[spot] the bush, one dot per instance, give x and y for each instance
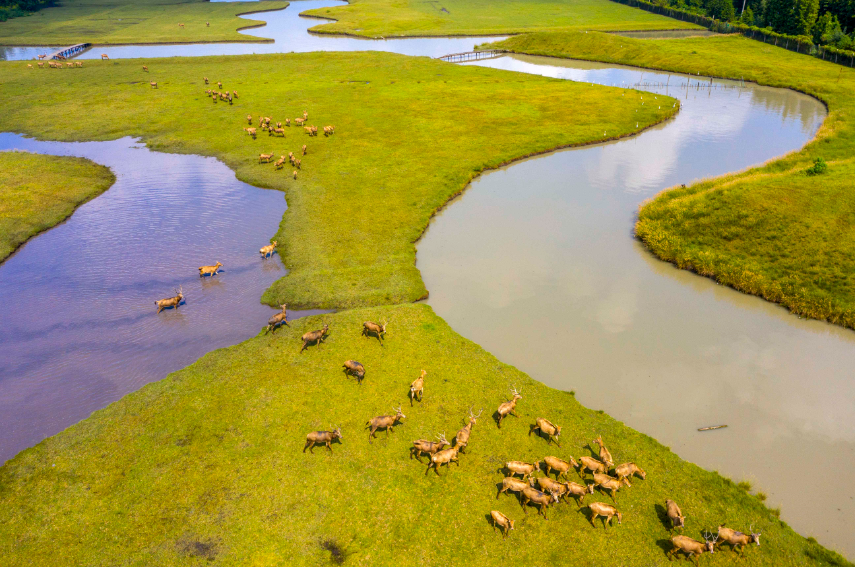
(819, 167)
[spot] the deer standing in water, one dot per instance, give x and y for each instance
(509, 407)
(423, 446)
(267, 251)
(209, 270)
(314, 337)
(277, 319)
(417, 388)
(462, 438)
(386, 422)
(170, 302)
(322, 437)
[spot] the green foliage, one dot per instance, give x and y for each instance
(363, 195)
(805, 13)
(38, 192)
(720, 9)
(747, 17)
(819, 167)
(207, 466)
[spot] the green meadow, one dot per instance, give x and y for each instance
(38, 191)
(393, 18)
(142, 21)
(774, 231)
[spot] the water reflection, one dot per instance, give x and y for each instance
(537, 263)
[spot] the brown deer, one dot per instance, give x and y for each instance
(329, 130)
(417, 388)
(462, 438)
(387, 422)
(78, 63)
(209, 270)
(607, 483)
(298, 164)
(578, 491)
(251, 132)
(304, 149)
(299, 121)
(180, 25)
(295, 174)
(219, 85)
(521, 468)
(423, 446)
(675, 515)
(513, 484)
(501, 521)
(265, 157)
(509, 407)
(42, 56)
(544, 426)
(305, 115)
(29, 65)
(443, 457)
(234, 93)
(288, 122)
(171, 302)
(355, 369)
(559, 465)
(145, 68)
(626, 470)
(591, 464)
(277, 132)
(104, 56)
(205, 79)
(153, 84)
(280, 163)
(277, 319)
(605, 456)
(538, 498)
(546, 484)
(370, 328)
(41, 64)
(607, 511)
(267, 251)
(325, 437)
(737, 540)
(249, 119)
(314, 337)
(691, 547)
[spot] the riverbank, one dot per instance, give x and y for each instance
(773, 231)
(390, 18)
(208, 464)
(38, 192)
(149, 22)
(396, 157)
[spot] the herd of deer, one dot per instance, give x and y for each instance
(56, 64)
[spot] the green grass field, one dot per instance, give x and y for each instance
(391, 18)
(38, 192)
(772, 231)
(410, 134)
(146, 21)
(206, 467)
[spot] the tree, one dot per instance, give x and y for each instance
(779, 15)
(723, 9)
(804, 16)
(747, 17)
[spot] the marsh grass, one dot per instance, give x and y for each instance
(771, 231)
(142, 21)
(38, 192)
(410, 134)
(208, 465)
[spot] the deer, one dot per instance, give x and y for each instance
(220, 85)
(42, 56)
(70, 64)
(387, 422)
(234, 93)
(737, 540)
(104, 56)
(691, 547)
(207, 24)
(538, 498)
(41, 64)
(501, 521)
(308, 130)
(265, 157)
(209, 270)
(513, 484)
(355, 369)
(559, 465)
(443, 457)
(295, 174)
(180, 25)
(417, 388)
(370, 328)
(578, 491)
(249, 119)
(546, 484)
(78, 63)
(626, 470)
(605, 456)
(591, 464)
(462, 438)
(521, 468)
(171, 302)
(298, 164)
(276, 132)
(314, 337)
(299, 121)
(304, 149)
(325, 437)
(314, 131)
(205, 79)
(607, 483)
(267, 251)
(544, 426)
(250, 131)
(675, 515)
(280, 163)
(277, 319)
(145, 68)
(288, 122)
(422, 446)
(305, 115)
(607, 511)
(509, 407)
(153, 84)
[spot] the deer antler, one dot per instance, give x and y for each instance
(479, 413)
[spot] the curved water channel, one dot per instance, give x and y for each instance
(536, 262)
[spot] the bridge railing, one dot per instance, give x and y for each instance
(472, 55)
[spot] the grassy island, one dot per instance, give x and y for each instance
(39, 191)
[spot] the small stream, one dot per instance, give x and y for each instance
(536, 262)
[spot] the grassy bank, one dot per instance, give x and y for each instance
(208, 465)
(390, 18)
(410, 134)
(772, 231)
(38, 192)
(144, 21)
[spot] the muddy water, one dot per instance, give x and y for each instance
(79, 324)
(287, 29)
(537, 263)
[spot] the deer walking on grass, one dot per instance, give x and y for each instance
(626, 470)
(502, 522)
(737, 540)
(444, 457)
(461, 440)
(417, 388)
(277, 319)
(387, 422)
(322, 437)
(605, 456)
(509, 407)
(370, 328)
(538, 498)
(316, 337)
(355, 369)
(607, 511)
(675, 515)
(423, 446)
(692, 548)
(546, 427)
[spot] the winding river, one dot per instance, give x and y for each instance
(536, 262)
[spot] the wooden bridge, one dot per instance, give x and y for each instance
(472, 56)
(67, 52)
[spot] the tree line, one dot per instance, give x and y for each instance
(16, 8)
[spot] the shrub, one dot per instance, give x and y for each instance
(819, 167)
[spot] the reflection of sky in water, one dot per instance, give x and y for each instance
(289, 32)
